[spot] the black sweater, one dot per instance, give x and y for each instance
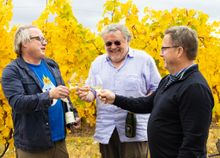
(180, 116)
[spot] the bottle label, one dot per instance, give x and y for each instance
(69, 116)
(129, 131)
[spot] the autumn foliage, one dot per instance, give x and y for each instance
(74, 47)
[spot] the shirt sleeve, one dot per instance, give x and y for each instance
(152, 75)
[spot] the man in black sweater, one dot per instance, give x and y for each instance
(181, 107)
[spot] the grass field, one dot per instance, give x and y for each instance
(82, 145)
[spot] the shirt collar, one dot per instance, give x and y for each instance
(180, 74)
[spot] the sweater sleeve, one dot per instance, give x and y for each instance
(195, 115)
(139, 105)
(15, 93)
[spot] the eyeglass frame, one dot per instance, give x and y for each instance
(164, 48)
(39, 38)
(109, 43)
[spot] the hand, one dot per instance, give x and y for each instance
(59, 92)
(85, 94)
(76, 125)
(106, 96)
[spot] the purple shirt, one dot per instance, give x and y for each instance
(136, 77)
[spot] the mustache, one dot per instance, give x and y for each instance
(112, 50)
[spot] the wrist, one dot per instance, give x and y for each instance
(90, 96)
(49, 98)
(93, 92)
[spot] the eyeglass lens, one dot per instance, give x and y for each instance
(109, 43)
(39, 38)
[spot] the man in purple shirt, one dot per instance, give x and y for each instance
(127, 72)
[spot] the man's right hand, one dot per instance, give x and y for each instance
(106, 96)
(85, 94)
(59, 92)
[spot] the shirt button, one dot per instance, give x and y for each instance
(47, 123)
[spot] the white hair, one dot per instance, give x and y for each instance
(117, 27)
(22, 35)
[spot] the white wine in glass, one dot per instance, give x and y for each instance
(73, 83)
(98, 85)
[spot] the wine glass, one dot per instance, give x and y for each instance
(96, 83)
(99, 83)
(73, 83)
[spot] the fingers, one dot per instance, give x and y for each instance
(77, 124)
(102, 96)
(82, 89)
(81, 92)
(106, 96)
(103, 100)
(78, 120)
(84, 93)
(59, 92)
(63, 91)
(72, 129)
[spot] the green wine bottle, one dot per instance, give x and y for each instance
(130, 125)
(69, 115)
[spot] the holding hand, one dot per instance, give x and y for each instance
(59, 92)
(75, 125)
(106, 96)
(85, 94)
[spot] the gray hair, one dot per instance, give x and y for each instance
(22, 35)
(117, 27)
(185, 37)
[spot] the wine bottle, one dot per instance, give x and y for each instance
(69, 115)
(130, 125)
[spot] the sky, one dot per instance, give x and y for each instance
(89, 12)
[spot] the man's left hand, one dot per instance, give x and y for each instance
(76, 125)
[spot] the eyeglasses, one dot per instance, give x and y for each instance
(39, 38)
(109, 43)
(164, 48)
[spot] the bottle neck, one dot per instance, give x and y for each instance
(68, 107)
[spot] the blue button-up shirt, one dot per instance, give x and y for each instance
(136, 77)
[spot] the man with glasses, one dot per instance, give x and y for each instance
(181, 107)
(34, 88)
(128, 72)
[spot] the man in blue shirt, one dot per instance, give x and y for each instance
(34, 88)
(128, 72)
